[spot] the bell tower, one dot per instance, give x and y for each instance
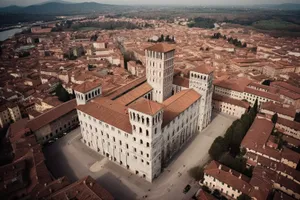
(159, 70)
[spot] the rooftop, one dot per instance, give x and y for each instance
(161, 47)
(146, 106)
(51, 115)
(87, 86)
(178, 103)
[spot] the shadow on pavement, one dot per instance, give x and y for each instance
(115, 186)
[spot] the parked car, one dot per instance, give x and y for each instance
(186, 188)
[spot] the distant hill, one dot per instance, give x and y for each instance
(62, 8)
(288, 6)
(10, 9)
(284, 6)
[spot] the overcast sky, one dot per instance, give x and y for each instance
(165, 2)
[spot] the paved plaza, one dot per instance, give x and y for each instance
(70, 157)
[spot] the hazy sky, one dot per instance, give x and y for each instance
(165, 2)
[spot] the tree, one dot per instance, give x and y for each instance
(167, 38)
(255, 106)
(243, 197)
(274, 118)
(62, 93)
(217, 148)
(197, 173)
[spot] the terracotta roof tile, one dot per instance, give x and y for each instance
(134, 94)
(203, 69)
(87, 86)
(113, 94)
(85, 189)
(279, 108)
(238, 84)
(292, 124)
(51, 115)
(274, 97)
(161, 47)
(109, 112)
(181, 81)
(228, 176)
(229, 100)
(146, 106)
(178, 103)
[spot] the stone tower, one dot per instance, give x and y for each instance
(160, 69)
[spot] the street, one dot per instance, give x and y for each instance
(70, 157)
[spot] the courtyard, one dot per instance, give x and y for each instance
(70, 157)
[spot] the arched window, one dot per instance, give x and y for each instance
(141, 130)
(143, 119)
(138, 117)
(147, 133)
(141, 141)
(89, 95)
(148, 144)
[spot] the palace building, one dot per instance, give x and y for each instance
(143, 124)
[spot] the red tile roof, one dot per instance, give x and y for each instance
(109, 112)
(113, 94)
(146, 106)
(274, 97)
(178, 103)
(51, 115)
(258, 133)
(228, 176)
(134, 94)
(181, 81)
(161, 47)
(238, 84)
(84, 189)
(279, 108)
(287, 86)
(229, 100)
(203, 69)
(205, 196)
(87, 86)
(292, 124)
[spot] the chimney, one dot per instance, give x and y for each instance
(264, 146)
(240, 176)
(220, 166)
(91, 184)
(230, 171)
(45, 184)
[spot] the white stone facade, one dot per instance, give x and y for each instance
(202, 83)
(83, 98)
(229, 109)
(214, 183)
(159, 73)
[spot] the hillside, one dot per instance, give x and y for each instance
(62, 8)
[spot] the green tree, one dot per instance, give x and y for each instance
(217, 148)
(197, 173)
(62, 93)
(243, 197)
(246, 120)
(167, 39)
(274, 118)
